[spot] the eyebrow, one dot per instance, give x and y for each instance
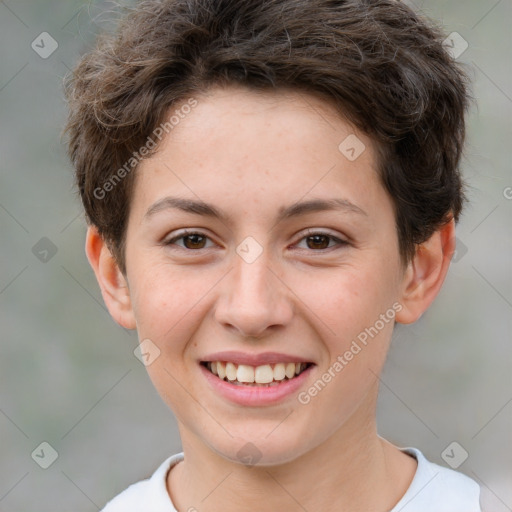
(199, 207)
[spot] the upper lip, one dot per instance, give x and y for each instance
(262, 358)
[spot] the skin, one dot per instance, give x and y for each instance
(250, 154)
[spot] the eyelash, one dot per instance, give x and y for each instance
(309, 234)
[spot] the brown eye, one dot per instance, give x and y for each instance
(190, 241)
(318, 241)
(195, 241)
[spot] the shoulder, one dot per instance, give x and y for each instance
(149, 495)
(438, 488)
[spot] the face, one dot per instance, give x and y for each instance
(254, 242)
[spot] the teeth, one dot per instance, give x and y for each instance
(279, 371)
(230, 371)
(289, 370)
(245, 373)
(221, 370)
(264, 374)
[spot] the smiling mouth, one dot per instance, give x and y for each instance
(257, 376)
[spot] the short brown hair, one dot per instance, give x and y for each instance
(382, 66)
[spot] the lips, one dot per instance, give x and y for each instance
(254, 394)
(262, 358)
(255, 379)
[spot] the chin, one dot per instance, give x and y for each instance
(261, 451)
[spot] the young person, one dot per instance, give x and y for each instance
(270, 186)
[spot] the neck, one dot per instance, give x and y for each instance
(353, 470)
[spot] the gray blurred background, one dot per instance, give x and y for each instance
(68, 375)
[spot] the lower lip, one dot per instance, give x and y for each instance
(255, 395)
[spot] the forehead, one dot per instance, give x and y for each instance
(260, 147)
(302, 121)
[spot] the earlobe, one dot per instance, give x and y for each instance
(426, 273)
(112, 282)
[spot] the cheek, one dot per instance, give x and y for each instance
(349, 302)
(356, 353)
(166, 302)
(346, 300)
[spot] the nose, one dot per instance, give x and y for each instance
(253, 299)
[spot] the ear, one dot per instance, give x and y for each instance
(425, 274)
(113, 284)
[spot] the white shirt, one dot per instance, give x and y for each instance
(433, 489)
